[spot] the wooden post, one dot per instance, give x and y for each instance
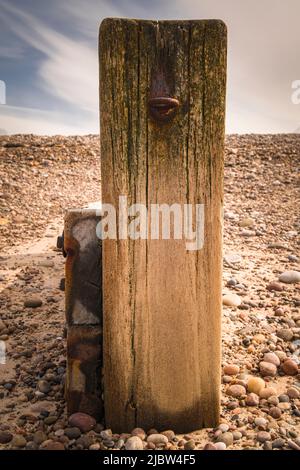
(162, 103)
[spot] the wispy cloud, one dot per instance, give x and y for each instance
(68, 69)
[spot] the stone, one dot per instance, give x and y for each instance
(263, 436)
(226, 438)
(190, 445)
(255, 385)
(139, 432)
(82, 421)
(44, 386)
(211, 446)
(275, 412)
(134, 443)
(220, 446)
(169, 434)
(231, 369)
(237, 435)
(33, 302)
(157, 439)
(267, 392)
(278, 443)
(231, 300)
(39, 437)
(274, 286)
(272, 358)
(246, 222)
(285, 333)
(290, 367)
(293, 392)
(5, 437)
(73, 433)
(290, 277)
(260, 422)
(267, 369)
(236, 391)
(18, 441)
(252, 399)
(223, 427)
(52, 445)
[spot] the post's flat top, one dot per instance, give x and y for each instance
(110, 20)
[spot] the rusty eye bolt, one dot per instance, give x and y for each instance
(163, 108)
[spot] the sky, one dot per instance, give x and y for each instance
(49, 61)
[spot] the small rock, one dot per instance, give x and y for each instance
(290, 277)
(223, 427)
(274, 286)
(19, 441)
(190, 445)
(82, 421)
(255, 385)
(278, 443)
(5, 437)
(157, 439)
(44, 386)
(211, 446)
(39, 437)
(52, 445)
(293, 392)
(267, 392)
(290, 367)
(236, 391)
(231, 369)
(231, 300)
(272, 358)
(263, 436)
(139, 432)
(267, 369)
(33, 302)
(220, 446)
(275, 412)
(73, 433)
(134, 443)
(285, 333)
(252, 399)
(226, 438)
(260, 422)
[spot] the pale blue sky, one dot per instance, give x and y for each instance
(48, 60)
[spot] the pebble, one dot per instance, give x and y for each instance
(139, 432)
(267, 369)
(231, 369)
(272, 358)
(134, 443)
(274, 286)
(18, 441)
(278, 443)
(255, 385)
(220, 446)
(73, 433)
(223, 427)
(285, 333)
(290, 277)
(39, 437)
(44, 386)
(5, 437)
(252, 399)
(260, 422)
(52, 445)
(293, 392)
(33, 302)
(231, 300)
(226, 438)
(211, 446)
(157, 439)
(236, 391)
(82, 421)
(190, 445)
(290, 367)
(275, 412)
(263, 436)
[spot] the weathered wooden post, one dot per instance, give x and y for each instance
(162, 103)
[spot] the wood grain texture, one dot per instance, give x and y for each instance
(162, 303)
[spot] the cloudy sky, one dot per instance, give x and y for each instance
(48, 60)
